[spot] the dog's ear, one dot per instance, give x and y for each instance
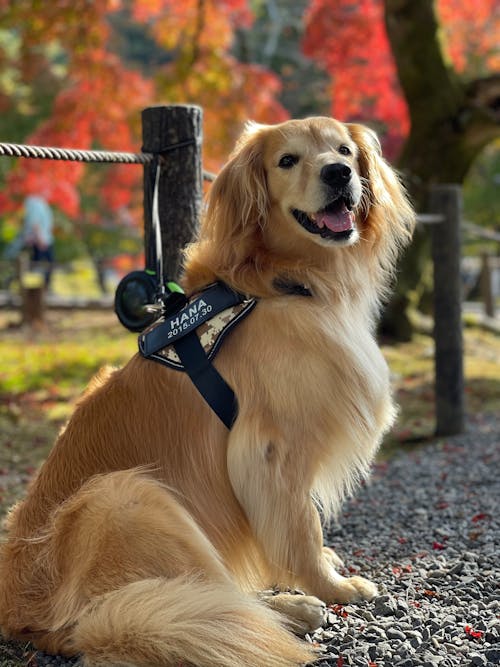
(387, 209)
(379, 176)
(238, 207)
(238, 200)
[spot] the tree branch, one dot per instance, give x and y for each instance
(480, 116)
(484, 94)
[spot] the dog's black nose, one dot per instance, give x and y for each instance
(335, 174)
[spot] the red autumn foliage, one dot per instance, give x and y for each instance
(339, 610)
(438, 546)
(98, 99)
(349, 40)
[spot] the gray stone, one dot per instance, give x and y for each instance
(493, 655)
(457, 568)
(394, 633)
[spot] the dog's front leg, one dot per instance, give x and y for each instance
(271, 483)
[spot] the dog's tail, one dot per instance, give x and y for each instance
(177, 621)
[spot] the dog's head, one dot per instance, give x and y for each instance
(300, 192)
(313, 179)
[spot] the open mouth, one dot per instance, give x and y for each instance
(335, 221)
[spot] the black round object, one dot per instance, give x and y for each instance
(134, 292)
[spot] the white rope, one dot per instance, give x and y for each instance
(77, 155)
(72, 154)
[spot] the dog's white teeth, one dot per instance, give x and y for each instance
(317, 219)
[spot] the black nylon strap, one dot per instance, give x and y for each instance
(211, 385)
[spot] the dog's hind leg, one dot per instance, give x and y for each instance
(121, 527)
(117, 528)
(139, 583)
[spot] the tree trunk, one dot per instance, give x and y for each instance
(451, 122)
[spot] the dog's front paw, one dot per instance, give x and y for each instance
(354, 589)
(304, 613)
(333, 558)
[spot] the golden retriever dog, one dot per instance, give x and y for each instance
(148, 532)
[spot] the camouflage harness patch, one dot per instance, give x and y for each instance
(211, 332)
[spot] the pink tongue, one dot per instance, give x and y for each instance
(337, 222)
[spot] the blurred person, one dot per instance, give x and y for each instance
(38, 234)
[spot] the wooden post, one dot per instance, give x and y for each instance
(32, 293)
(485, 284)
(181, 181)
(446, 200)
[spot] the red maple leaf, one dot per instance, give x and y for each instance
(430, 594)
(438, 546)
(339, 610)
(475, 634)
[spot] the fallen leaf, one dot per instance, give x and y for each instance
(339, 610)
(475, 634)
(438, 546)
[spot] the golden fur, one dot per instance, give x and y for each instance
(148, 527)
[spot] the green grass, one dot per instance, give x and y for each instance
(412, 368)
(41, 377)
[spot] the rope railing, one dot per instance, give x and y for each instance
(80, 155)
(72, 154)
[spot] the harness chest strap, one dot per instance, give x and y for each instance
(207, 379)
(189, 339)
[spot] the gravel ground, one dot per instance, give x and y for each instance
(426, 529)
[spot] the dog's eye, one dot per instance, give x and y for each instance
(288, 161)
(345, 150)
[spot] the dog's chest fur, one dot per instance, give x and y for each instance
(314, 392)
(313, 365)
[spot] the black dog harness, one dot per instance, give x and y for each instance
(191, 332)
(189, 338)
